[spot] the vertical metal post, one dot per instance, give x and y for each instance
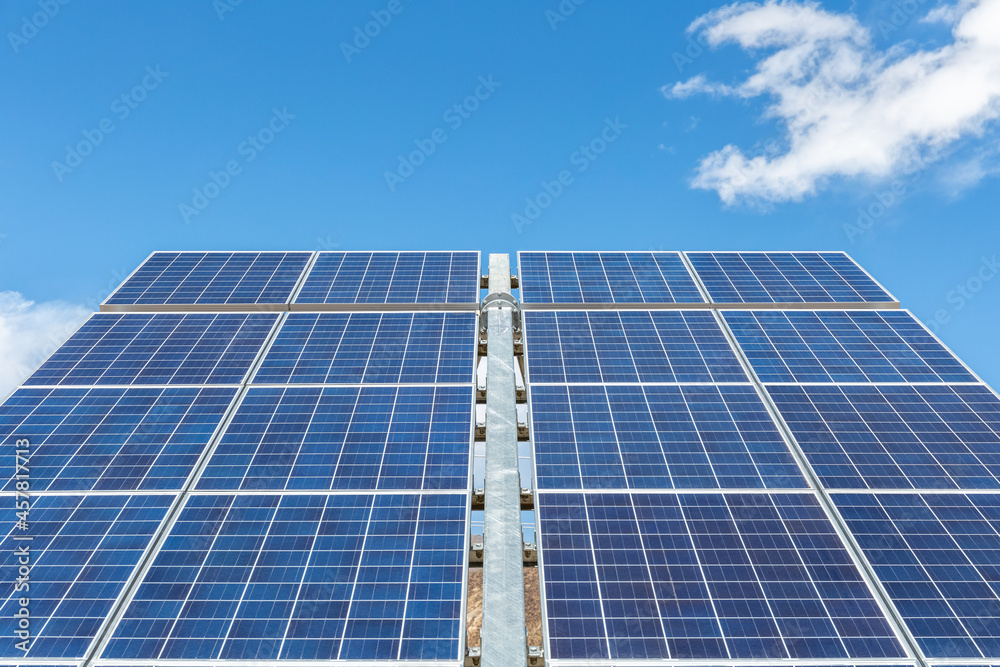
(503, 633)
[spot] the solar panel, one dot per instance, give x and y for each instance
(82, 551)
(893, 436)
(703, 576)
(843, 346)
(307, 577)
(112, 439)
(605, 277)
(785, 277)
(134, 348)
(627, 436)
(340, 348)
(345, 438)
(628, 346)
(392, 277)
(937, 556)
(212, 278)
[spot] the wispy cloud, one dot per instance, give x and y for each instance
(29, 332)
(847, 108)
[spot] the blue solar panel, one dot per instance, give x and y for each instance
(938, 556)
(705, 576)
(700, 437)
(303, 577)
(197, 348)
(891, 436)
(346, 438)
(82, 552)
(391, 277)
(213, 278)
(628, 346)
(843, 346)
(785, 277)
(338, 348)
(112, 439)
(606, 277)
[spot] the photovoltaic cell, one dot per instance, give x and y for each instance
(134, 348)
(340, 348)
(267, 577)
(605, 277)
(785, 277)
(896, 437)
(82, 552)
(843, 346)
(213, 278)
(345, 438)
(591, 437)
(391, 277)
(703, 576)
(938, 556)
(628, 346)
(112, 439)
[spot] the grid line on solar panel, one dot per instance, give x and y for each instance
(302, 578)
(390, 277)
(657, 436)
(341, 348)
(415, 437)
(112, 439)
(195, 348)
(703, 576)
(199, 278)
(937, 558)
(895, 436)
(785, 277)
(606, 277)
(843, 346)
(83, 550)
(628, 346)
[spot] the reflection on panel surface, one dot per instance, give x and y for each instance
(82, 551)
(106, 439)
(345, 438)
(629, 346)
(702, 436)
(355, 577)
(652, 576)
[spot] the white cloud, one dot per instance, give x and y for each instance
(29, 332)
(846, 108)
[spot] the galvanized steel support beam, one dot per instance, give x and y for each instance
(503, 632)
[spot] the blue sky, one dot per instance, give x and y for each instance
(829, 111)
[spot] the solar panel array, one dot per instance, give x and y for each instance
(785, 277)
(216, 483)
(756, 484)
(664, 278)
(389, 277)
(213, 278)
(738, 459)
